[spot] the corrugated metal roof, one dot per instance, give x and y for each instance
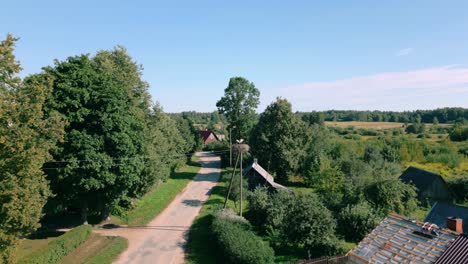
(457, 253)
(399, 240)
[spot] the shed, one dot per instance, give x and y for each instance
(258, 176)
(431, 187)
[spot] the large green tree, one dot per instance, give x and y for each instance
(166, 147)
(279, 138)
(26, 136)
(105, 103)
(238, 104)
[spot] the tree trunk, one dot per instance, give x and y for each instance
(84, 213)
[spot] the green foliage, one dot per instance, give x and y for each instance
(310, 223)
(27, 135)
(443, 115)
(358, 220)
(415, 128)
(238, 104)
(165, 147)
(278, 139)
(288, 219)
(392, 195)
(459, 133)
(60, 247)
(459, 188)
(105, 103)
(236, 240)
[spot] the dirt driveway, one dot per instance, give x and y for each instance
(163, 239)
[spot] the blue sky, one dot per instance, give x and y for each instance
(397, 55)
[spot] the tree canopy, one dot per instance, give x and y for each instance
(27, 134)
(238, 104)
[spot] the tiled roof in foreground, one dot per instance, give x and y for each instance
(398, 240)
(457, 253)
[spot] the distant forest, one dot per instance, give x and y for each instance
(440, 115)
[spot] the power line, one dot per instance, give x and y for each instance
(145, 159)
(129, 158)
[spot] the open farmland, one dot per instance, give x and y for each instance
(373, 125)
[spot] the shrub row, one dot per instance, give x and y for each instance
(60, 247)
(237, 242)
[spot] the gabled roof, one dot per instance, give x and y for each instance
(262, 172)
(457, 253)
(440, 211)
(422, 179)
(399, 240)
(205, 134)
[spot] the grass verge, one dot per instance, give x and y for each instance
(97, 250)
(200, 245)
(159, 197)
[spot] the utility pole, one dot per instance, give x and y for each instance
(230, 183)
(230, 148)
(230, 145)
(241, 172)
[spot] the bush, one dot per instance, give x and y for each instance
(60, 247)
(356, 221)
(237, 242)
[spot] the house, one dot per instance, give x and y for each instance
(457, 253)
(431, 187)
(441, 211)
(258, 176)
(208, 136)
(400, 240)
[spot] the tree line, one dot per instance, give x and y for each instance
(436, 116)
(81, 135)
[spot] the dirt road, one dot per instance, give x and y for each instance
(163, 239)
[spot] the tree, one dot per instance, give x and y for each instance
(279, 138)
(392, 195)
(165, 148)
(309, 223)
(27, 135)
(105, 103)
(239, 102)
(358, 220)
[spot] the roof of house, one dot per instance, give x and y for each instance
(457, 253)
(399, 240)
(422, 179)
(440, 211)
(205, 134)
(262, 172)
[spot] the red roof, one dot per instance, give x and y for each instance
(205, 134)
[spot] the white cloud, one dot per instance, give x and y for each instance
(404, 52)
(418, 89)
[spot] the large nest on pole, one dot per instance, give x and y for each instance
(237, 148)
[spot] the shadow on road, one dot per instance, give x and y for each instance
(165, 227)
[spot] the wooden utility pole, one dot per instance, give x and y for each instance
(241, 187)
(230, 183)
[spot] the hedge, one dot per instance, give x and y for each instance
(60, 247)
(237, 242)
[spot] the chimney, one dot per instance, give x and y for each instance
(455, 224)
(255, 161)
